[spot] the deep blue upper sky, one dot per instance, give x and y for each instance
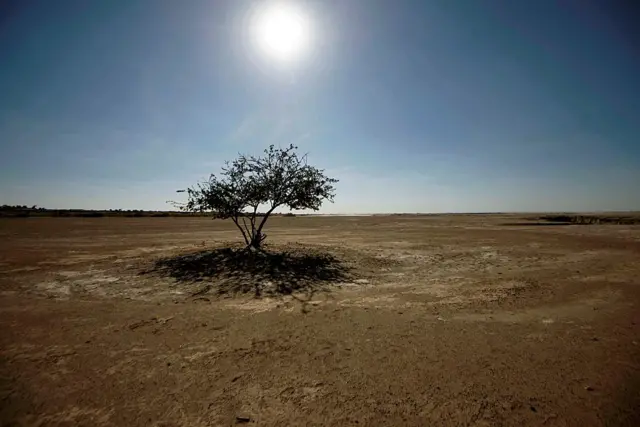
(430, 106)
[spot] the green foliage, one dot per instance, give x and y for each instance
(279, 178)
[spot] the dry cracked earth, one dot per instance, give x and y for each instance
(444, 320)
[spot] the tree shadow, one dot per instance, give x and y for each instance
(234, 271)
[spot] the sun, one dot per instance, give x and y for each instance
(282, 31)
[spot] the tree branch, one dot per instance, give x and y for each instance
(235, 221)
(264, 219)
(244, 223)
(253, 218)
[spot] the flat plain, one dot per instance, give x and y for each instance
(460, 320)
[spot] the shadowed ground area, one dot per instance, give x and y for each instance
(233, 271)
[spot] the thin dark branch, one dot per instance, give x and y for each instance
(253, 219)
(235, 221)
(264, 220)
(244, 223)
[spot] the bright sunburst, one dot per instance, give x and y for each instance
(282, 31)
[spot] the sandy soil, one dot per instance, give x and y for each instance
(441, 320)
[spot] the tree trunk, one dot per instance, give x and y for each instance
(257, 237)
(256, 241)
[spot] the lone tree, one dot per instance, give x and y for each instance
(278, 178)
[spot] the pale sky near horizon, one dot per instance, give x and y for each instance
(416, 106)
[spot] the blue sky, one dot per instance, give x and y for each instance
(416, 106)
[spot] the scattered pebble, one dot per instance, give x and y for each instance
(242, 420)
(588, 388)
(163, 320)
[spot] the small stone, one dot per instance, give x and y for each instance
(243, 420)
(588, 388)
(533, 409)
(164, 320)
(594, 339)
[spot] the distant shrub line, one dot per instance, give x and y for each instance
(8, 211)
(592, 219)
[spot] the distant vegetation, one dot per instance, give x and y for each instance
(24, 211)
(592, 219)
(18, 211)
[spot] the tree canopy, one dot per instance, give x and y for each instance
(279, 178)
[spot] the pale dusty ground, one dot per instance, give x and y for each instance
(443, 320)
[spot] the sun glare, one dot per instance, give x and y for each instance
(282, 31)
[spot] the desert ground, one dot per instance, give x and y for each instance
(444, 320)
